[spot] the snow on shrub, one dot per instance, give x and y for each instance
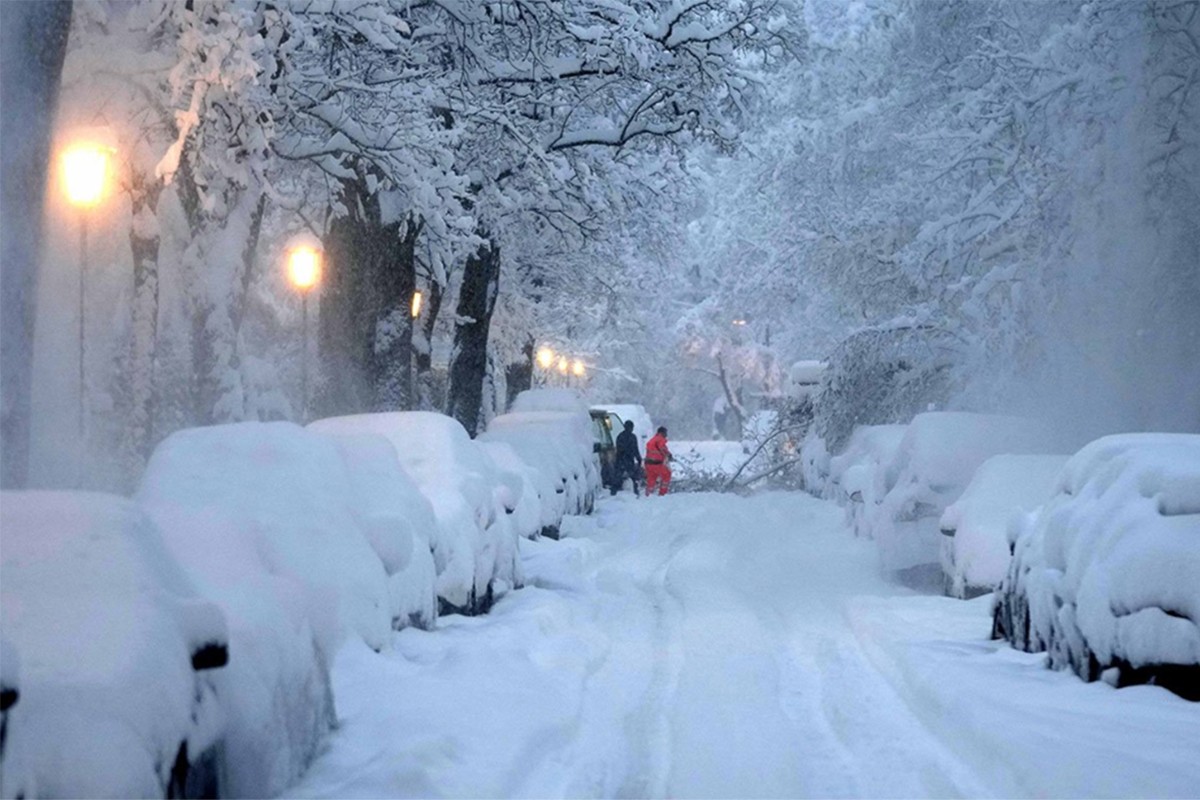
(1106, 575)
(398, 522)
(814, 464)
(471, 552)
(935, 460)
(119, 657)
(975, 548)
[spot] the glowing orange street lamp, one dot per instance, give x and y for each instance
(564, 365)
(578, 369)
(304, 273)
(85, 178)
(416, 304)
(545, 358)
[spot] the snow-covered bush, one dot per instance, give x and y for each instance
(398, 522)
(814, 464)
(474, 547)
(975, 549)
(120, 659)
(1105, 576)
(935, 460)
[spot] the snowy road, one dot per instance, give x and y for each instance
(711, 646)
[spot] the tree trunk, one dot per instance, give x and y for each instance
(468, 362)
(365, 327)
(144, 239)
(519, 375)
(33, 44)
(423, 347)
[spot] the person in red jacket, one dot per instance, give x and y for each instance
(658, 456)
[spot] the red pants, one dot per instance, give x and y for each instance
(660, 474)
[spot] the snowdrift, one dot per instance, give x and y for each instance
(1105, 576)
(118, 657)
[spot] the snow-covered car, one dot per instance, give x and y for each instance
(975, 546)
(398, 522)
(605, 427)
(1105, 577)
(519, 493)
(643, 427)
(935, 460)
(259, 517)
(474, 544)
(119, 656)
(856, 476)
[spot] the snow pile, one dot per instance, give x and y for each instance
(398, 522)
(975, 548)
(643, 427)
(814, 463)
(857, 475)
(566, 401)
(119, 658)
(1106, 575)
(474, 552)
(804, 377)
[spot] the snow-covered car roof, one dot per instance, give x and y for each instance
(565, 400)
(110, 634)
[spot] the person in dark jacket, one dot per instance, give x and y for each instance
(629, 461)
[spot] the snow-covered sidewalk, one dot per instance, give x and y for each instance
(709, 645)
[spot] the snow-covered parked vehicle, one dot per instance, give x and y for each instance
(856, 477)
(119, 657)
(643, 427)
(975, 543)
(518, 487)
(551, 430)
(1105, 577)
(933, 464)
(259, 517)
(474, 544)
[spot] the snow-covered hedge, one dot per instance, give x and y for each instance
(975, 548)
(935, 460)
(1105, 576)
(474, 543)
(120, 660)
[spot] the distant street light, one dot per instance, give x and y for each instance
(416, 304)
(85, 179)
(564, 365)
(578, 369)
(304, 272)
(545, 358)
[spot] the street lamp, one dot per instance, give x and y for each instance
(416, 304)
(304, 272)
(545, 358)
(85, 175)
(578, 369)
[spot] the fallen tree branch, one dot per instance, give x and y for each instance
(733, 478)
(767, 473)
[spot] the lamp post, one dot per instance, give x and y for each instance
(304, 272)
(85, 173)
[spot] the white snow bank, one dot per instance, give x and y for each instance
(459, 481)
(975, 547)
(1106, 575)
(398, 522)
(566, 401)
(937, 456)
(107, 627)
